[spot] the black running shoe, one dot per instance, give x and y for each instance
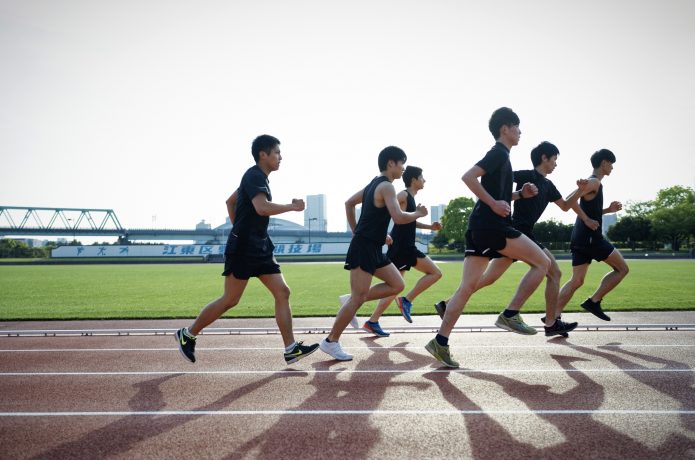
(559, 328)
(595, 309)
(300, 351)
(441, 308)
(186, 345)
(564, 334)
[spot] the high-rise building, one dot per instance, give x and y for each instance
(315, 213)
(437, 212)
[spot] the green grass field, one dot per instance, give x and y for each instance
(181, 290)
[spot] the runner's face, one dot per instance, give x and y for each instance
(550, 164)
(607, 167)
(274, 158)
(512, 134)
(398, 169)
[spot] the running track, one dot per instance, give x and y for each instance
(598, 394)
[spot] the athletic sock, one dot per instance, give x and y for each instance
(188, 334)
(291, 347)
(441, 340)
(509, 313)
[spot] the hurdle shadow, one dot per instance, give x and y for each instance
(334, 435)
(125, 433)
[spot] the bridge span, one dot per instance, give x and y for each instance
(75, 222)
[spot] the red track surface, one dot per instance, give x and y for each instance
(596, 395)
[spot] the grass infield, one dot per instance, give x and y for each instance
(180, 290)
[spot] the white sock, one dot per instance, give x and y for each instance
(188, 333)
(291, 347)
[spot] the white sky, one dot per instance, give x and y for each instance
(149, 107)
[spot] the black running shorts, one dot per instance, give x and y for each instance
(248, 257)
(596, 249)
(404, 258)
(486, 243)
(365, 254)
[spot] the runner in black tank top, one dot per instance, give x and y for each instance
(404, 254)
(581, 234)
(374, 222)
(589, 244)
(365, 258)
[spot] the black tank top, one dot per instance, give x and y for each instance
(404, 235)
(594, 210)
(374, 222)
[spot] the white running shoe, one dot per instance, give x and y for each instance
(343, 300)
(335, 350)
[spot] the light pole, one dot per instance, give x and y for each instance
(312, 218)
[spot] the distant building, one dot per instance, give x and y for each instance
(315, 213)
(437, 212)
(202, 226)
(608, 221)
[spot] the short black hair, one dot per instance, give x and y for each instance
(504, 116)
(263, 143)
(391, 153)
(544, 148)
(600, 155)
(411, 172)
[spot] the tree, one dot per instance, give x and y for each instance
(631, 229)
(455, 221)
(673, 217)
(440, 240)
(675, 224)
(552, 231)
(674, 196)
(639, 209)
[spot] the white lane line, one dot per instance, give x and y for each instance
(411, 347)
(232, 413)
(342, 371)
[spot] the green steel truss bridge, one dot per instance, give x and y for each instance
(74, 222)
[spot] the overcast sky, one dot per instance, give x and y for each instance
(149, 107)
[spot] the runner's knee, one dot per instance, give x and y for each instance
(437, 274)
(397, 286)
(554, 274)
(282, 293)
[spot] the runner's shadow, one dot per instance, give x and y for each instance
(125, 433)
(583, 435)
(335, 434)
(679, 389)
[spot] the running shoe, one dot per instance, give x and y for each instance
(375, 329)
(343, 300)
(441, 353)
(595, 309)
(441, 308)
(559, 328)
(335, 350)
(564, 334)
(186, 344)
(514, 324)
(300, 351)
(405, 306)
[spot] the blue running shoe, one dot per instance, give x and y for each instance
(404, 306)
(375, 329)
